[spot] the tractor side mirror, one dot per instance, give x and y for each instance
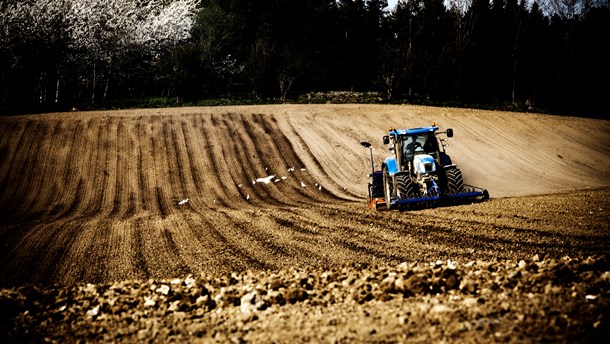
(386, 140)
(449, 132)
(365, 144)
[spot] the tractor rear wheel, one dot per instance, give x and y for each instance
(405, 188)
(387, 187)
(455, 182)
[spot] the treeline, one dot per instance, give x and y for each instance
(551, 56)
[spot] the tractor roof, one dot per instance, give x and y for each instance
(413, 130)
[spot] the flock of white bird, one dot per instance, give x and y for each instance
(264, 180)
(269, 178)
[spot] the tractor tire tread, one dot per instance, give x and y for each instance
(455, 181)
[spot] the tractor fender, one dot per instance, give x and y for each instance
(445, 159)
(390, 163)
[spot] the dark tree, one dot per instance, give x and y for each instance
(58, 54)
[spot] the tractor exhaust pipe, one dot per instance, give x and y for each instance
(368, 145)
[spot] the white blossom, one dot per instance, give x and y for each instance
(97, 26)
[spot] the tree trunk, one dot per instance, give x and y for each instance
(94, 82)
(107, 80)
(57, 89)
(285, 83)
(106, 88)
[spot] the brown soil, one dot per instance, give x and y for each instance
(99, 240)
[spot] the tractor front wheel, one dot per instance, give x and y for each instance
(455, 182)
(405, 187)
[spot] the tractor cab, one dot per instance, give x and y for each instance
(408, 143)
(418, 144)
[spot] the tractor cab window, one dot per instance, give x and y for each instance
(418, 143)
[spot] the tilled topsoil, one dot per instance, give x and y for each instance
(556, 292)
(250, 224)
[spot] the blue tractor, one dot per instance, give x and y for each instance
(419, 172)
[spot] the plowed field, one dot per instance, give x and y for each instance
(103, 197)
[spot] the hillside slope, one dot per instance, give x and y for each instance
(96, 196)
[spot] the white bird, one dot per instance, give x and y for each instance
(265, 180)
(291, 169)
(303, 185)
(248, 197)
(184, 201)
(303, 169)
